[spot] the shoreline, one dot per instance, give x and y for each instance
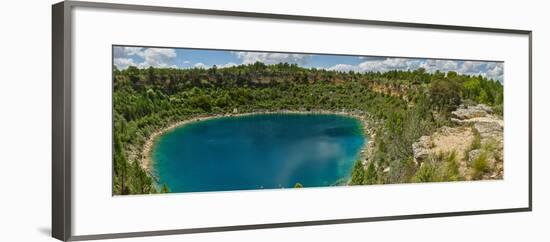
(146, 160)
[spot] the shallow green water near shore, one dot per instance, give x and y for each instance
(260, 151)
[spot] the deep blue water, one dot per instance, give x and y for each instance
(258, 152)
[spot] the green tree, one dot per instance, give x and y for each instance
(445, 95)
(120, 166)
(371, 176)
(358, 173)
(151, 75)
(298, 185)
(203, 102)
(483, 97)
(452, 74)
(133, 74)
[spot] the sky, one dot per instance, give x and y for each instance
(143, 57)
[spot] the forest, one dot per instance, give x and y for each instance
(402, 106)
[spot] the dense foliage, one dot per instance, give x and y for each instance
(403, 105)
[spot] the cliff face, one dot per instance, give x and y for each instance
(477, 142)
(396, 90)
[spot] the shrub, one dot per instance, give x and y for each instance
(371, 176)
(426, 173)
(358, 173)
(452, 172)
(445, 95)
(480, 165)
(401, 170)
(491, 146)
(476, 142)
(474, 145)
(439, 167)
(499, 110)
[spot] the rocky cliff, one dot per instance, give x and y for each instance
(477, 141)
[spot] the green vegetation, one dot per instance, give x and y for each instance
(357, 174)
(426, 173)
(476, 142)
(451, 169)
(298, 185)
(474, 145)
(401, 106)
(445, 95)
(371, 176)
(485, 91)
(480, 165)
(438, 168)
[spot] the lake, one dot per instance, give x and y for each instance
(261, 151)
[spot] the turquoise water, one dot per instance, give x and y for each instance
(258, 152)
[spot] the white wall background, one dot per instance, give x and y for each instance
(25, 103)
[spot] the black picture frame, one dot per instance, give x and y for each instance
(62, 126)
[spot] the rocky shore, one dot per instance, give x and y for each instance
(478, 131)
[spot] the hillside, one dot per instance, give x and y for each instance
(400, 107)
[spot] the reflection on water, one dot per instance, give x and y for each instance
(258, 151)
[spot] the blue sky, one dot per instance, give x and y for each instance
(189, 58)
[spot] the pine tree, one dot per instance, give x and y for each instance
(370, 176)
(358, 173)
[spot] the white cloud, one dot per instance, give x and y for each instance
(496, 72)
(374, 65)
(226, 65)
(201, 66)
(390, 64)
(492, 70)
(132, 50)
(432, 65)
(272, 58)
(156, 57)
(120, 52)
(344, 68)
(186, 62)
(123, 63)
(204, 66)
(471, 66)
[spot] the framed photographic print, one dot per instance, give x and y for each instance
(208, 120)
